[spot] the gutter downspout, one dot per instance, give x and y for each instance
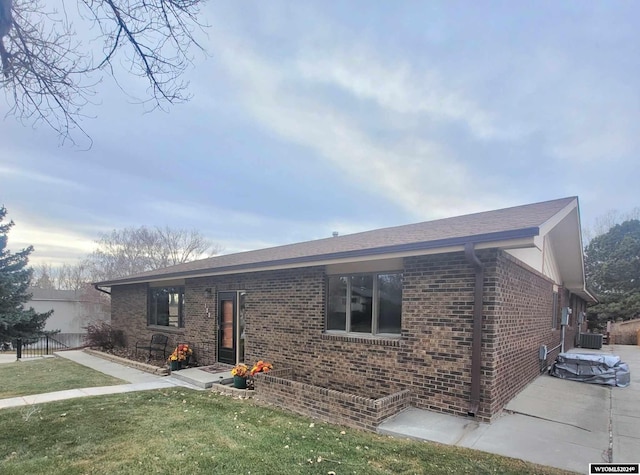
(476, 345)
(101, 290)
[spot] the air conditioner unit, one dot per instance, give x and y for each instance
(591, 340)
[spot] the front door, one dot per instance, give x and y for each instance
(227, 327)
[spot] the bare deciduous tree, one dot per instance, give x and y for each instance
(179, 245)
(49, 72)
(65, 277)
(74, 277)
(134, 250)
(43, 277)
(121, 253)
(125, 252)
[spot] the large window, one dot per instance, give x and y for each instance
(365, 303)
(166, 306)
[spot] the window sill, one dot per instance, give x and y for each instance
(162, 328)
(365, 339)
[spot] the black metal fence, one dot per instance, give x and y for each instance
(38, 346)
(71, 340)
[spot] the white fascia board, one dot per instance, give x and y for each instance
(552, 222)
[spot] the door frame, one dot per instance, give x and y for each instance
(225, 354)
(235, 354)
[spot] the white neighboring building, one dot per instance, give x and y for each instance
(73, 310)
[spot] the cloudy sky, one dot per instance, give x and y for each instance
(313, 117)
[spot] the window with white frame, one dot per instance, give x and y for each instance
(365, 303)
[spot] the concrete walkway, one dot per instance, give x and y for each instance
(138, 380)
(554, 422)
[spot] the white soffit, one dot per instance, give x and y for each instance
(567, 245)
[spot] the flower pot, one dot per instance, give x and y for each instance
(174, 365)
(239, 382)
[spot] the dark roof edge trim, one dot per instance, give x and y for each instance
(416, 246)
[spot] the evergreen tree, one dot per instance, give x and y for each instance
(15, 321)
(612, 265)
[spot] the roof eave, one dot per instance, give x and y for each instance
(584, 293)
(503, 236)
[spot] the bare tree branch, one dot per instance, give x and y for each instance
(49, 73)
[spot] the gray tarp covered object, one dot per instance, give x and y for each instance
(591, 368)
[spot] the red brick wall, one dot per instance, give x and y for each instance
(129, 311)
(517, 323)
(284, 311)
(437, 318)
(432, 359)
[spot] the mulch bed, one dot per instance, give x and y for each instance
(140, 357)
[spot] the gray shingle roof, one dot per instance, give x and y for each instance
(508, 223)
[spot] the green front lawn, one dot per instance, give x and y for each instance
(181, 431)
(46, 375)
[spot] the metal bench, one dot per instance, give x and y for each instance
(158, 344)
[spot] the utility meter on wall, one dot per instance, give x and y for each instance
(566, 311)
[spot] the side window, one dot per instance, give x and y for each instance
(389, 303)
(337, 303)
(365, 303)
(361, 311)
(166, 306)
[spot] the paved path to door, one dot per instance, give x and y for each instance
(138, 380)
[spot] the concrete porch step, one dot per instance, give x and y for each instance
(202, 379)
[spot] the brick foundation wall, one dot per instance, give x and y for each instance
(328, 404)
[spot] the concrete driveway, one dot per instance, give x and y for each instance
(554, 422)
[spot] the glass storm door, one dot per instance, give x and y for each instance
(227, 327)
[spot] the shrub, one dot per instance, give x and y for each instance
(102, 335)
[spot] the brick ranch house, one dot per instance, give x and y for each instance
(446, 315)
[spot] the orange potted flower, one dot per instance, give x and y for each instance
(240, 372)
(180, 356)
(261, 367)
(243, 377)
